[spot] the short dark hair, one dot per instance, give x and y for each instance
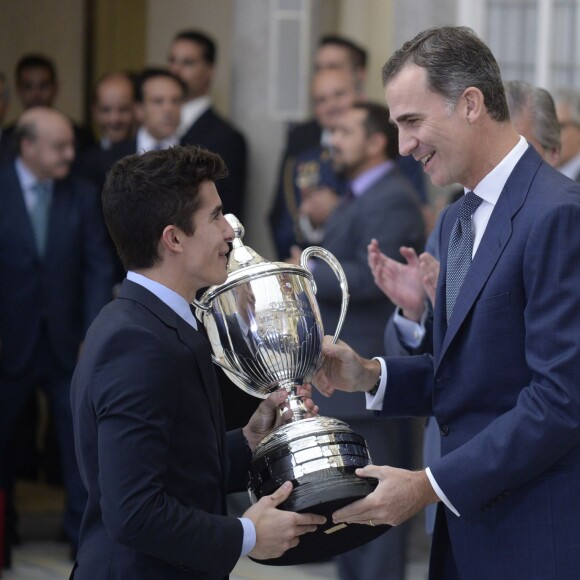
(151, 73)
(358, 55)
(377, 121)
(5, 89)
(35, 61)
(143, 194)
(208, 45)
(454, 58)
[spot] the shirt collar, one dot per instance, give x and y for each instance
(26, 178)
(363, 182)
(491, 186)
(191, 112)
(145, 142)
(176, 302)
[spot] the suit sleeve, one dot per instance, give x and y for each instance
(232, 188)
(544, 425)
(393, 219)
(136, 400)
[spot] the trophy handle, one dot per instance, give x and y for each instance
(329, 258)
(205, 307)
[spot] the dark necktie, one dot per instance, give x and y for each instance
(460, 250)
(40, 214)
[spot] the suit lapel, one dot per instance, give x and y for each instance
(60, 217)
(18, 209)
(192, 338)
(491, 247)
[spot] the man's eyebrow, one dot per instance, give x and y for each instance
(405, 117)
(217, 210)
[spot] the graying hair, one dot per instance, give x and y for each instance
(454, 59)
(571, 98)
(522, 97)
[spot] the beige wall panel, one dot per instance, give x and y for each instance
(118, 35)
(52, 27)
(370, 22)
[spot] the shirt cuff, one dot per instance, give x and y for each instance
(249, 536)
(375, 402)
(410, 332)
(439, 492)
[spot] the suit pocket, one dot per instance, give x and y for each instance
(491, 303)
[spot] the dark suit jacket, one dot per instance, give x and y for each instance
(302, 140)
(64, 290)
(503, 385)
(216, 134)
(389, 212)
(152, 449)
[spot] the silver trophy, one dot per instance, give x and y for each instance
(266, 332)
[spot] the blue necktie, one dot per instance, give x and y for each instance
(40, 214)
(460, 250)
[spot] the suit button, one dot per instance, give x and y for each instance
(444, 430)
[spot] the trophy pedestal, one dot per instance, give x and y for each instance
(320, 456)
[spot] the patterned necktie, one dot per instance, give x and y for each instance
(40, 214)
(460, 249)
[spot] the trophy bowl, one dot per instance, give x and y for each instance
(265, 330)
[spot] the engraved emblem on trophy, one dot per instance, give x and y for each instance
(266, 333)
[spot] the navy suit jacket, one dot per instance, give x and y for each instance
(503, 385)
(152, 448)
(65, 289)
(388, 211)
(216, 134)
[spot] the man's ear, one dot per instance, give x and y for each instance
(376, 144)
(474, 104)
(171, 239)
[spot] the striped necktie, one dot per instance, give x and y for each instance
(40, 214)
(460, 250)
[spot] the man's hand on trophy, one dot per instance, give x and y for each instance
(399, 495)
(345, 370)
(268, 417)
(278, 530)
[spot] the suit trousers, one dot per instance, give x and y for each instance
(44, 372)
(384, 557)
(442, 564)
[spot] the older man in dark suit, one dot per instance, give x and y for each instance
(56, 276)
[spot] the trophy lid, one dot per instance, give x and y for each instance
(245, 264)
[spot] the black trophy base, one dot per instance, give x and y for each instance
(324, 497)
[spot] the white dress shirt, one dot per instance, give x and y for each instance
(145, 142)
(191, 112)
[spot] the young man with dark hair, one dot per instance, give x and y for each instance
(149, 429)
